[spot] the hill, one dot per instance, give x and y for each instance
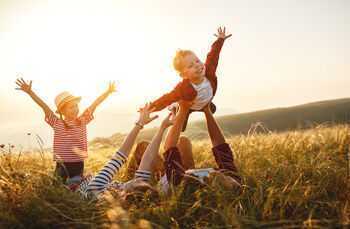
(304, 116)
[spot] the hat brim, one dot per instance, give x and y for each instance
(68, 100)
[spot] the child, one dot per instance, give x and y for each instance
(199, 80)
(70, 137)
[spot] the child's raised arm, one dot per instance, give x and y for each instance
(212, 60)
(222, 33)
(101, 98)
(27, 88)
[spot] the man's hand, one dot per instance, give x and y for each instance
(207, 110)
(145, 112)
(23, 85)
(222, 33)
(111, 88)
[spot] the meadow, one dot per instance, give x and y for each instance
(293, 179)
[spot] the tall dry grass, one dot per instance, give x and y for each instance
(291, 180)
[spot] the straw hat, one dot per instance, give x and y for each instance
(63, 98)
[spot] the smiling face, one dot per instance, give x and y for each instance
(70, 110)
(188, 65)
(193, 68)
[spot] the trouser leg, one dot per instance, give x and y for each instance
(224, 159)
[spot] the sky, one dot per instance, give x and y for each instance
(281, 53)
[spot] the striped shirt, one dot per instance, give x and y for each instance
(69, 143)
(93, 187)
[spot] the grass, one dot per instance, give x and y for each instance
(292, 180)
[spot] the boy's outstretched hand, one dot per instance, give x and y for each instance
(111, 88)
(23, 85)
(222, 33)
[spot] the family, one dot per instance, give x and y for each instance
(194, 93)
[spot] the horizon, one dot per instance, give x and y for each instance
(281, 54)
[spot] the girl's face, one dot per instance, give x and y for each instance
(193, 69)
(70, 110)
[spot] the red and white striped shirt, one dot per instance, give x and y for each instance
(69, 143)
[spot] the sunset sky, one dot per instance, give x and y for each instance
(281, 53)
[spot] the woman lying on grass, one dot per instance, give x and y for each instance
(93, 187)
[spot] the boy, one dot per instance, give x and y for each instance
(199, 81)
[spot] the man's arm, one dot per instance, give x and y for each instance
(27, 88)
(101, 98)
(215, 133)
(212, 60)
(175, 131)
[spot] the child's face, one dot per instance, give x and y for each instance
(71, 110)
(193, 69)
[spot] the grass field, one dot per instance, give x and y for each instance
(291, 180)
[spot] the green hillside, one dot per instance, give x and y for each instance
(304, 116)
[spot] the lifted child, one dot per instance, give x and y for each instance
(199, 81)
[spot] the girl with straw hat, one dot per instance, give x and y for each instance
(70, 134)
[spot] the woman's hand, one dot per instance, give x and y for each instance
(222, 33)
(168, 121)
(144, 117)
(23, 85)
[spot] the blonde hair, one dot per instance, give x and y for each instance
(178, 59)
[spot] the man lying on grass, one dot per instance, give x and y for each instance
(176, 161)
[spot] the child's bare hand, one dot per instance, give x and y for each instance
(111, 87)
(23, 85)
(222, 33)
(145, 115)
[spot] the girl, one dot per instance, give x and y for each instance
(70, 136)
